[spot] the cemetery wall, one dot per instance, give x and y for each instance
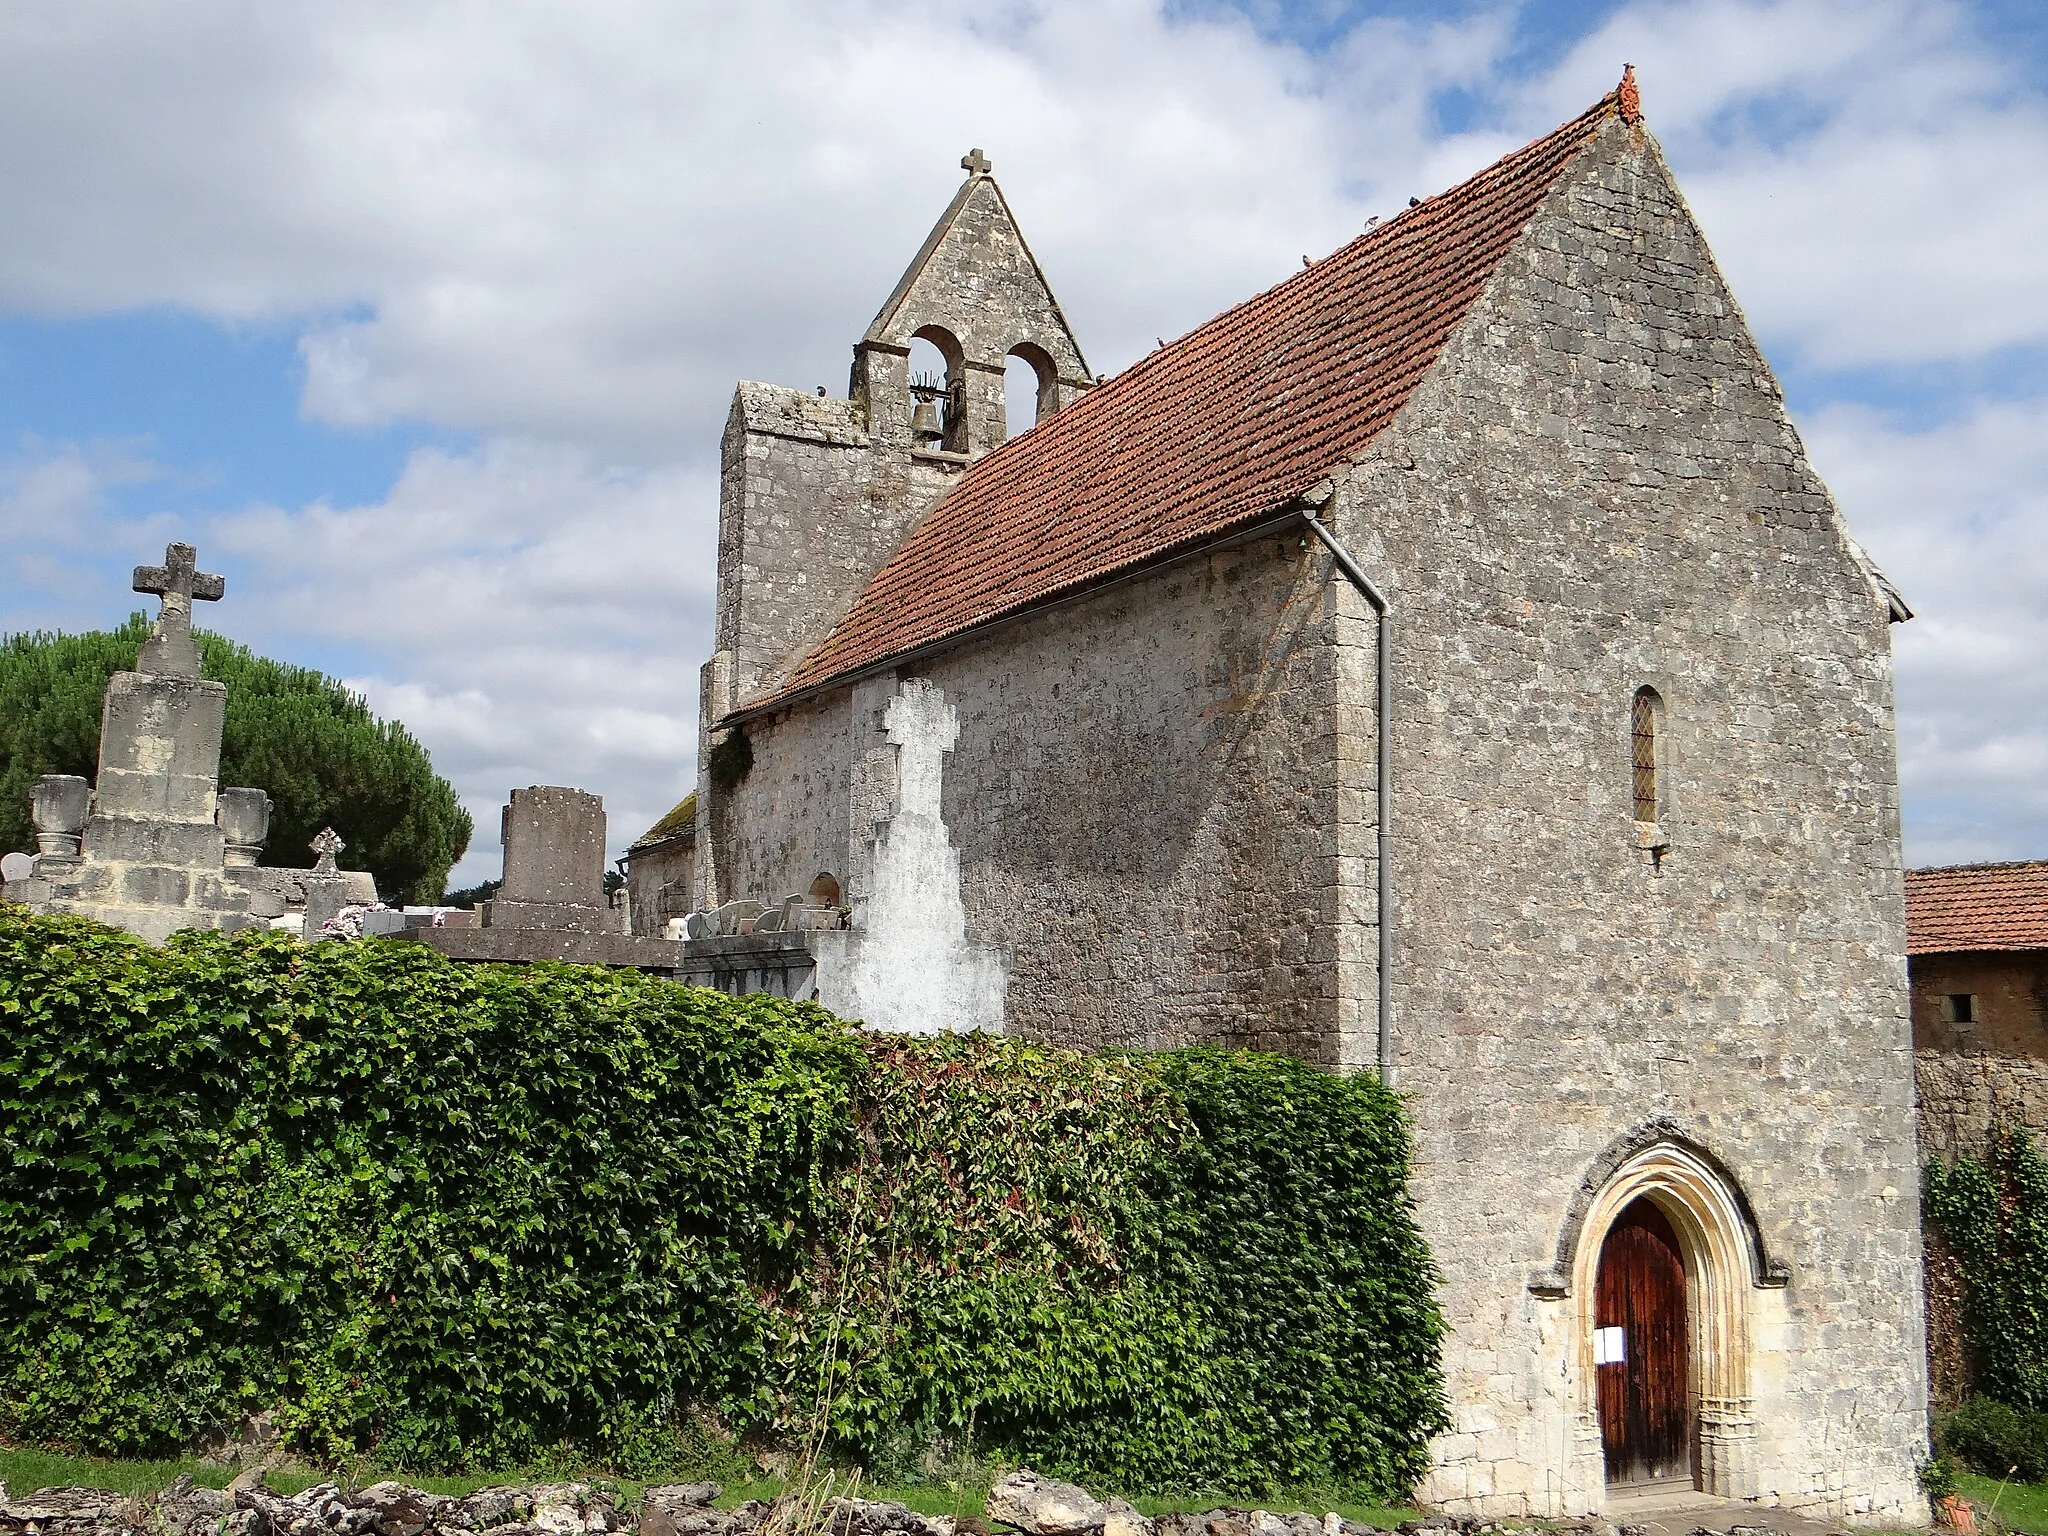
(1598, 489)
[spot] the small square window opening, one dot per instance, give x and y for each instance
(1959, 1008)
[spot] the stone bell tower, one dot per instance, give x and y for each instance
(976, 293)
(817, 492)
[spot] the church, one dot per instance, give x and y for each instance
(1443, 664)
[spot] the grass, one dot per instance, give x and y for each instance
(24, 1471)
(2023, 1506)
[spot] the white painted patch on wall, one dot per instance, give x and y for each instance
(909, 967)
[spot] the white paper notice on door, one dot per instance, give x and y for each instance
(1609, 1346)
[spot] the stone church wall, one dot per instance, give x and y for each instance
(787, 822)
(1598, 489)
(1144, 796)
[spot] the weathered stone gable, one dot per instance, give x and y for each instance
(1598, 490)
(977, 293)
(816, 493)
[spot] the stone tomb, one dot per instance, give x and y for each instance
(552, 905)
(554, 864)
(153, 845)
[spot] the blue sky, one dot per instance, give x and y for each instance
(424, 330)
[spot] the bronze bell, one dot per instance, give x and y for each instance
(925, 425)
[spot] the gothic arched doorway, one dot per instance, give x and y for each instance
(1661, 1205)
(1641, 1351)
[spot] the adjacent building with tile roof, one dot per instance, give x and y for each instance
(661, 872)
(1977, 908)
(1977, 941)
(1446, 664)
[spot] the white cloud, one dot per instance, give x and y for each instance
(1957, 515)
(537, 618)
(585, 222)
(54, 519)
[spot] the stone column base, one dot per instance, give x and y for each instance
(1728, 1447)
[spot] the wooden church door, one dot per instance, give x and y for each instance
(1639, 1349)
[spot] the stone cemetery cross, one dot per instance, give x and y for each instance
(169, 651)
(326, 890)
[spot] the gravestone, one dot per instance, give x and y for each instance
(153, 845)
(326, 889)
(552, 904)
(554, 863)
(142, 848)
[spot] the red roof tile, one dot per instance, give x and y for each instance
(1977, 906)
(1211, 432)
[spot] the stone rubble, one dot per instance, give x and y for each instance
(1035, 1505)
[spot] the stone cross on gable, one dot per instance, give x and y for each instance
(169, 651)
(975, 163)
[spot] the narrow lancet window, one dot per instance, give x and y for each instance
(1642, 731)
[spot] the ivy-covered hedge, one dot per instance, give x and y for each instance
(1993, 1214)
(460, 1215)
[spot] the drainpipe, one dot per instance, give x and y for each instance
(1381, 610)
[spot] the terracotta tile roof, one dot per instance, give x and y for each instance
(1208, 433)
(1977, 906)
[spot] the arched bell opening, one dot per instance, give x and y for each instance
(938, 390)
(1031, 387)
(1663, 1271)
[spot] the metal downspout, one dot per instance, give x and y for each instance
(1383, 612)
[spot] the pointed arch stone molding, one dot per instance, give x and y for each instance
(1726, 1262)
(1555, 1281)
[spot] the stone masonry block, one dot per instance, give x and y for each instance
(554, 848)
(160, 747)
